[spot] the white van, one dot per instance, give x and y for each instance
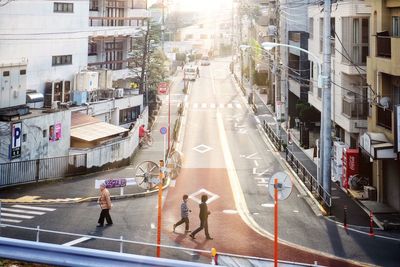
(190, 72)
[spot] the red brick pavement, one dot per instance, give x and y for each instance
(230, 233)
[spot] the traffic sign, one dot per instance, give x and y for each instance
(162, 87)
(284, 185)
(163, 130)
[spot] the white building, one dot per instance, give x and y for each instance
(349, 43)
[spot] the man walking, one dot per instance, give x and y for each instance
(184, 214)
(105, 205)
(203, 218)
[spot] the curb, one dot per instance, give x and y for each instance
(82, 199)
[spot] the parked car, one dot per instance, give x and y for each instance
(190, 72)
(205, 61)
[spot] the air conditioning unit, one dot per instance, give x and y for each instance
(385, 101)
(55, 104)
(119, 93)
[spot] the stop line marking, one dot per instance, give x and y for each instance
(77, 241)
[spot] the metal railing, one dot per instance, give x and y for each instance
(308, 179)
(41, 169)
(384, 117)
(58, 254)
(275, 139)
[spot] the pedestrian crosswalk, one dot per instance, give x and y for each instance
(213, 105)
(18, 213)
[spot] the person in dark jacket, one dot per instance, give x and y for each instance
(184, 214)
(203, 218)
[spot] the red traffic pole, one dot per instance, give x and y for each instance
(371, 224)
(169, 118)
(160, 189)
(276, 223)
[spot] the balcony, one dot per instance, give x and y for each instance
(383, 46)
(384, 117)
(354, 110)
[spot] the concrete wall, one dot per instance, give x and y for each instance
(31, 30)
(37, 145)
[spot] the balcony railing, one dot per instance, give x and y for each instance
(384, 117)
(384, 48)
(355, 110)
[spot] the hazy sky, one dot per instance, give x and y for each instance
(196, 5)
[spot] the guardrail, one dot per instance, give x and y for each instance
(275, 139)
(308, 179)
(65, 255)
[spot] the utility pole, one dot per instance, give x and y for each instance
(326, 101)
(162, 26)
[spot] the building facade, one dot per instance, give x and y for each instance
(380, 143)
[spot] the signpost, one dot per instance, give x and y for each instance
(160, 192)
(162, 88)
(279, 188)
(163, 131)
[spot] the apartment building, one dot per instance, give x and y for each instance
(381, 142)
(350, 23)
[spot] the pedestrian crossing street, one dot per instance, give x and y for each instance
(17, 213)
(213, 105)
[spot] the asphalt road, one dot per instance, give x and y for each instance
(225, 157)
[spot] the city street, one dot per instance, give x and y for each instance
(227, 157)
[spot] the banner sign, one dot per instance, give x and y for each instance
(55, 132)
(16, 133)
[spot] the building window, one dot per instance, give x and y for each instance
(44, 133)
(22, 72)
(311, 27)
(6, 73)
(63, 7)
(94, 5)
(396, 26)
(23, 137)
(355, 40)
(129, 115)
(92, 49)
(62, 60)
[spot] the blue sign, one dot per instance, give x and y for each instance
(163, 130)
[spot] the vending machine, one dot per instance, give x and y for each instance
(337, 161)
(351, 159)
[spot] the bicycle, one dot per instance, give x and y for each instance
(147, 139)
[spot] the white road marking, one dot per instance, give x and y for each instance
(295, 211)
(221, 105)
(32, 208)
(16, 215)
(204, 105)
(230, 211)
(258, 120)
(24, 211)
(77, 241)
(230, 105)
(212, 105)
(238, 106)
(256, 163)
(195, 105)
(203, 191)
(268, 205)
(10, 220)
(202, 148)
(152, 226)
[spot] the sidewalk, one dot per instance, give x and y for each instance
(82, 188)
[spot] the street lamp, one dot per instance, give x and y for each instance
(320, 80)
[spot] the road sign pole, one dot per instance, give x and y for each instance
(276, 223)
(169, 119)
(160, 189)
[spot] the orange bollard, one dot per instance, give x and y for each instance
(214, 256)
(371, 224)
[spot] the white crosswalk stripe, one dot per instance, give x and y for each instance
(33, 208)
(214, 105)
(4, 220)
(5, 214)
(23, 211)
(15, 213)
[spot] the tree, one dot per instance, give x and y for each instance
(147, 63)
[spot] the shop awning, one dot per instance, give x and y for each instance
(377, 146)
(96, 131)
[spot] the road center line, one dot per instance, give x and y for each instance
(77, 241)
(256, 163)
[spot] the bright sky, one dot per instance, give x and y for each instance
(197, 5)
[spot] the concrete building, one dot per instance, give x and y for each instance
(350, 22)
(381, 143)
